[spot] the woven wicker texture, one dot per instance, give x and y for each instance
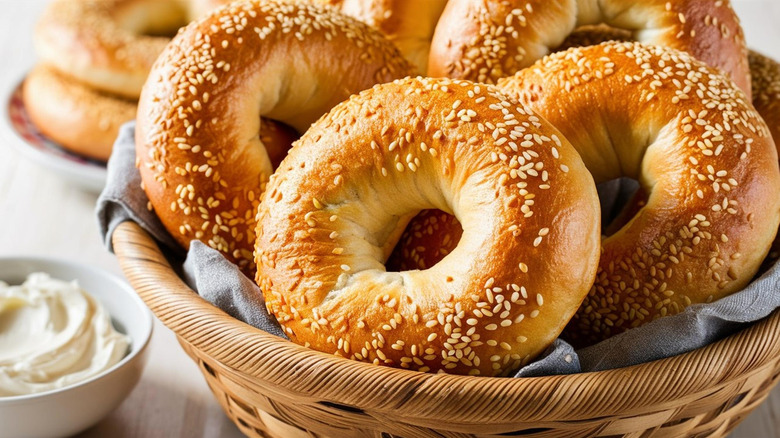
(273, 388)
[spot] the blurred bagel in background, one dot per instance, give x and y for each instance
(110, 45)
(95, 56)
(77, 117)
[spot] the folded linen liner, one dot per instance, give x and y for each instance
(221, 283)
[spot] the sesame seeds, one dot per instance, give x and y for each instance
(637, 284)
(472, 317)
(710, 128)
(190, 88)
(496, 51)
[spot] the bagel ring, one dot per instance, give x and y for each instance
(765, 86)
(76, 117)
(485, 40)
(336, 206)
(110, 45)
(765, 74)
(200, 158)
(694, 143)
(640, 280)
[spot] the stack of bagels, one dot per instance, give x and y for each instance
(94, 58)
(439, 211)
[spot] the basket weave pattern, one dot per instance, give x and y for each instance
(273, 388)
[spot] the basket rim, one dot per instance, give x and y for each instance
(284, 365)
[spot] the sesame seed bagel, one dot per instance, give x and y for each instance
(765, 77)
(697, 147)
(485, 40)
(110, 44)
(77, 117)
(409, 24)
(201, 160)
(765, 74)
(338, 203)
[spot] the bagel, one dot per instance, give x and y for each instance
(86, 122)
(409, 24)
(76, 117)
(110, 45)
(765, 74)
(697, 147)
(712, 209)
(201, 161)
(336, 206)
(765, 83)
(485, 40)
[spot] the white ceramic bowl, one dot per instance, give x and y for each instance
(69, 410)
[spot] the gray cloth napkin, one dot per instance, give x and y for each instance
(222, 284)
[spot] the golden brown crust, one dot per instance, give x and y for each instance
(695, 144)
(110, 44)
(336, 207)
(409, 24)
(84, 39)
(76, 117)
(485, 40)
(201, 160)
(765, 74)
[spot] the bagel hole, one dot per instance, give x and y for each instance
(594, 34)
(620, 199)
(152, 19)
(432, 234)
(160, 32)
(429, 237)
(277, 138)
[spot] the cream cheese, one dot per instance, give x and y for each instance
(53, 334)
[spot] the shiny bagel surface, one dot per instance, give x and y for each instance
(485, 40)
(337, 205)
(201, 159)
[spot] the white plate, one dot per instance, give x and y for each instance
(17, 130)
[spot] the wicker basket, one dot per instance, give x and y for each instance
(271, 387)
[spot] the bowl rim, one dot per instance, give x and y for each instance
(137, 346)
(240, 349)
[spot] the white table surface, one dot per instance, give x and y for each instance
(41, 214)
